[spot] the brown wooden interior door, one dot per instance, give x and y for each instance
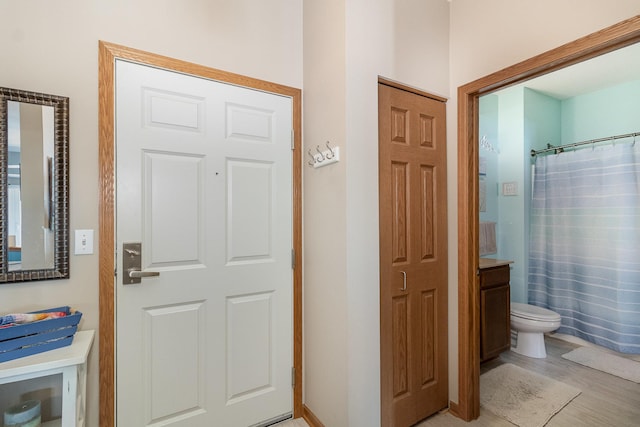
(413, 255)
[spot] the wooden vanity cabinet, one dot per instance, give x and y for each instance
(495, 309)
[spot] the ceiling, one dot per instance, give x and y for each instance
(610, 69)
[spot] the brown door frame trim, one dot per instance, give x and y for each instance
(108, 53)
(619, 35)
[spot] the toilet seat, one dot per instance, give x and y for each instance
(532, 312)
(531, 323)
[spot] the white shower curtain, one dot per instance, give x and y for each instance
(584, 258)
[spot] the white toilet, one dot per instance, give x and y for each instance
(531, 322)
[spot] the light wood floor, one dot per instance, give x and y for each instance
(298, 422)
(605, 401)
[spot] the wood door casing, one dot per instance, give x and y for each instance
(413, 245)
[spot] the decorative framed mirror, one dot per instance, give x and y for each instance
(34, 186)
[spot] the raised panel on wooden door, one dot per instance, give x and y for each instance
(250, 202)
(427, 214)
(174, 336)
(428, 328)
(399, 214)
(170, 110)
(427, 131)
(399, 125)
(400, 345)
(249, 123)
(170, 180)
(250, 349)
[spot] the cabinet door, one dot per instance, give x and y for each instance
(495, 321)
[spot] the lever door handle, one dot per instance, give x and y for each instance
(137, 274)
(132, 264)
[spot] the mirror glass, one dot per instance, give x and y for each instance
(34, 186)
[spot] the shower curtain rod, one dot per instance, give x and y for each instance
(560, 148)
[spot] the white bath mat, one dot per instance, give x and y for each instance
(606, 362)
(525, 398)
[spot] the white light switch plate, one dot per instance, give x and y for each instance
(84, 242)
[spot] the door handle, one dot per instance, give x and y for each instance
(136, 274)
(132, 264)
(404, 280)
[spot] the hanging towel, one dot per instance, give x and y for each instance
(487, 238)
(18, 318)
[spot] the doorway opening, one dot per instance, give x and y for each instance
(609, 39)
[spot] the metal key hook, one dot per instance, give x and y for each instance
(320, 158)
(331, 154)
(313, 159)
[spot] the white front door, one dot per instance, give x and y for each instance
(204, 183)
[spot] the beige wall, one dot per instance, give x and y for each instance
(348, 44)
(324, 193)
(375, 31)
(52, 47)
(487, 36)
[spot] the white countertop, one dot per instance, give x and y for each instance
(491, 262)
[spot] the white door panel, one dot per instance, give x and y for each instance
(172, 180)
(204, 182)
(162, 378)
(249, 219)
(249, 335)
